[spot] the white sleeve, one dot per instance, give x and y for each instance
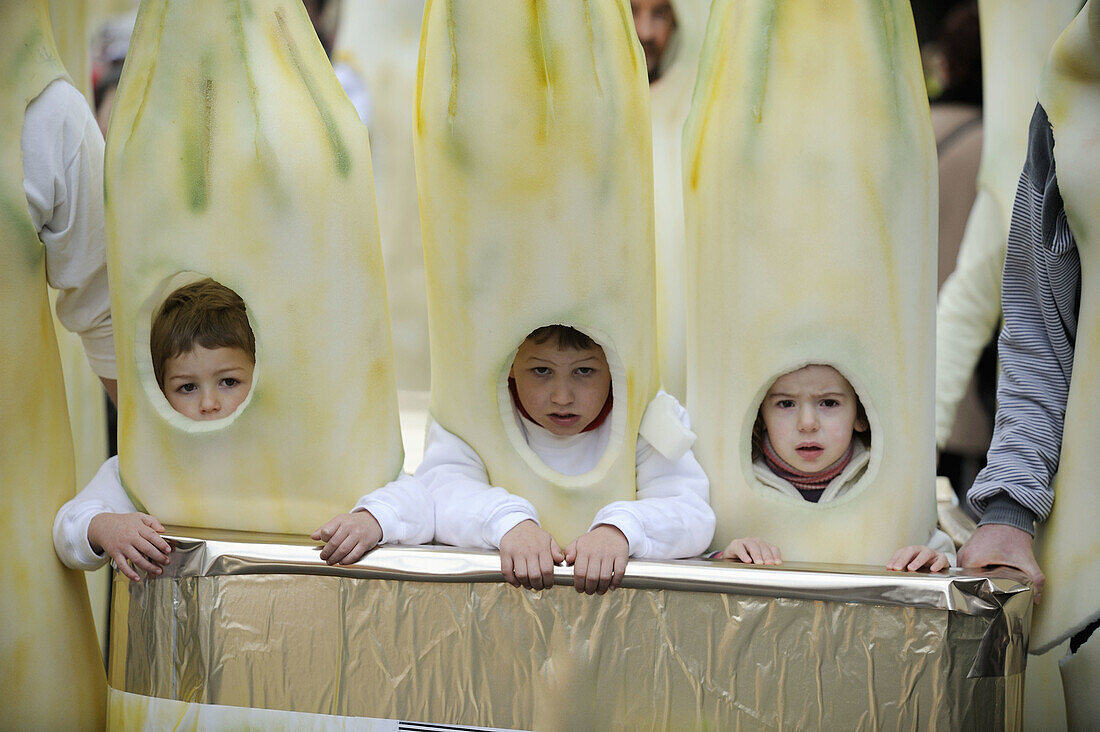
(468, 511)
(104, 494)
(404, 509)
(671, 517)
(941, 542)
(63, 180)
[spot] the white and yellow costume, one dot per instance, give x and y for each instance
(810, 174)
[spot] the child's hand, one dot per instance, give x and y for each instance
(912, 558)
(348, 537)
(598, 559)
(528, 555)
(752, 551)
(130, 537)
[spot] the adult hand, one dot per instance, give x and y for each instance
(1000, 545)
(598, 559)
(130, 537)
(753, 550)
(348, 537)
(528, 555)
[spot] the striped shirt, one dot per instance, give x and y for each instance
(1041, 295)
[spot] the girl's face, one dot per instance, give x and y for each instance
(810, 415)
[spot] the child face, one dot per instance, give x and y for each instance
(208, 383)
(563, 389)
(810, 415)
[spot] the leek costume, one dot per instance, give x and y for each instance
(839, 486)
(62, 177)
(670, 519)
(402, 508)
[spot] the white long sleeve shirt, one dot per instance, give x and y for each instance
(671, 517)
(63, 180)
(402, 508)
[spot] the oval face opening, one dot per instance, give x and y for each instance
(557, 402)
(196, 353)
(811, 435)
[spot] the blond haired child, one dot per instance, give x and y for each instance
(561, 394)
(811, 441)
(204, 353)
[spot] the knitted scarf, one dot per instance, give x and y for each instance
(812, 485)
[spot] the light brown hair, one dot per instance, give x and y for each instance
(204, 313)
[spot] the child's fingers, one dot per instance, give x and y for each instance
(123, 566)
(924, 556)
(533, 571)
(137, 559)
(334, 541)
(580, 571)
(507, 569)
(159, 546)
(151, 522)
(606, 576)
(325, 532)
(756, 551)
(570, 555)
(771, 554)
(150, 550)
(546, 567)
(901, 557)
(618, 570)
(342, 551)
(941, 563)
(556, 553)
(742, 552)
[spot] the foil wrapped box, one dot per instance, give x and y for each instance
(432, 634)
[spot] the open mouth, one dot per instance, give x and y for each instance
(564, 420)
(810, 452)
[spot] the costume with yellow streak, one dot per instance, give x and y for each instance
(379, 39)
(535, 180)
(48, 638)
(1067, 543)
(810, 188)
(670, 99)
(233, 152)
(1016, 40)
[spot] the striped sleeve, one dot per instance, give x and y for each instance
(1040, 299)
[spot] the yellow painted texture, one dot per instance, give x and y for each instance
(53, 674)
(1068, 544)
(380, 40)
(670, 97)
(233, 152)
(810, 189)
(534, 166)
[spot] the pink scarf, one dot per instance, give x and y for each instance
(801, 480)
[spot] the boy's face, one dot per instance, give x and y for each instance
(208, 383)
(563, 389)
(810, 415)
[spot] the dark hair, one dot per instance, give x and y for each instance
(205, 313)
(568, 337)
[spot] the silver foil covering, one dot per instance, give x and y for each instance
(433, 634)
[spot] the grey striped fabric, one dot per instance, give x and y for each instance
(1040, 296)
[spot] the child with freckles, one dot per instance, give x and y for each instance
(811, 442)
(560, 384)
